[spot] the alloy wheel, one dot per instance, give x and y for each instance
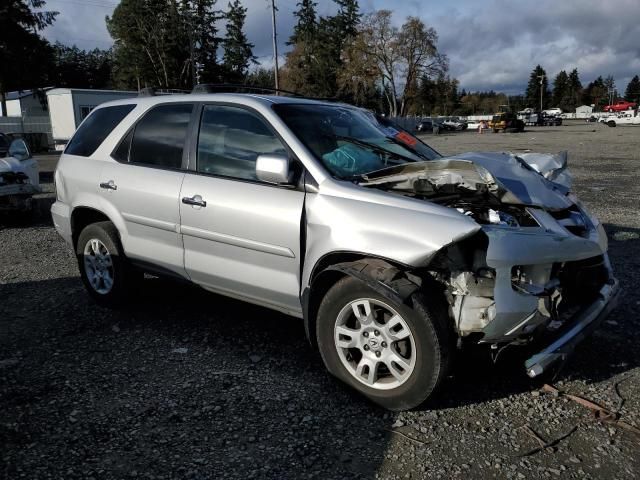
(375, 344)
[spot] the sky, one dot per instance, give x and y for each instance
(491, 44)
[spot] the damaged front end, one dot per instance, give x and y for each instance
(537, 270)
(18, 183)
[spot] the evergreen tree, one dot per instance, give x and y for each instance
(75, 68)
(238, 52)
(575, 90)
(261, 77)
(595, 94)
(202, 17)
(347, 19)
(632, 92)
(306, 26)
(315, 63)
(533, 88)
(25, 57)
(560, 95)
(151, 45)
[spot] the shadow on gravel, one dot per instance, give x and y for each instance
(39, 216)
(183, 383)
(188, 384)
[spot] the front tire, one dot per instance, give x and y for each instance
(105, 272)
(395, 354)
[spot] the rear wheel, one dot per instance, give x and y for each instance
(396, 355)
(611, 123)
(104, 270)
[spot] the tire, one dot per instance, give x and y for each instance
(611, 123)
(426, 351)
(100, 242)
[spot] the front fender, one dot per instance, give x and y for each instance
(378, 224)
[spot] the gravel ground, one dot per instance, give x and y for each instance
(186, 384)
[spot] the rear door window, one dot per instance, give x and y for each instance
(95, 129)
(159, 138)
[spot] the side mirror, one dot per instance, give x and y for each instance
(273, 168)
(19, 150)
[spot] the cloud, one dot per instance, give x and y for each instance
(496, 43)
(492, 44)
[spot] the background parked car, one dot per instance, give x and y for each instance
(454, 123)
(620, 106)
(427, 124)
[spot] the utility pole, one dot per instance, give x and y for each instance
(541, 77)
(275, 42)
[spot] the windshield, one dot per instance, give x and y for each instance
(351, 142)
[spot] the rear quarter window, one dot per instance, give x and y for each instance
(95, 129)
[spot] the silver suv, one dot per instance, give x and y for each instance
(393, 256)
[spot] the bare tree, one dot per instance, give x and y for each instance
(400, 55)
(420, 57)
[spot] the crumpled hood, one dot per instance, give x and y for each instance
(530, 179)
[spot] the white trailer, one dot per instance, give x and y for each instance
(68, 107)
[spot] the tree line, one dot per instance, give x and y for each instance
(170, 44)
(567, 91)
(364, 59)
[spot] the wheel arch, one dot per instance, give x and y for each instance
(82, 216)
(387, 277)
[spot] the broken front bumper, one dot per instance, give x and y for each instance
(582, 325)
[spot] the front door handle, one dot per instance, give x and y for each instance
(110, 185)
(196, 200)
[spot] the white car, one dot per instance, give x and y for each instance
(626, 118)
(19, 178)
(552, 111)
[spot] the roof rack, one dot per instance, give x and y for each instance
(221, 87)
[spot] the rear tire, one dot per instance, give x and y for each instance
(401, 365)
(105, 271)
(611, 123)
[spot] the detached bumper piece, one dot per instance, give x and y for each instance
(583, 325)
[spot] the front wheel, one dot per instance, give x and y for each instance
(104, 270)
(395, 354)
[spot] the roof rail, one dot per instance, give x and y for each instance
(221, 87)
(154, 91)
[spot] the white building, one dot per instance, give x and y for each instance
(584, 111)
(26, 103)
(69, 106)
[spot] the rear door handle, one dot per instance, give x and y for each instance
(110, 185)
(196, 200)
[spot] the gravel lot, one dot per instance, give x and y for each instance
(187, 384)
